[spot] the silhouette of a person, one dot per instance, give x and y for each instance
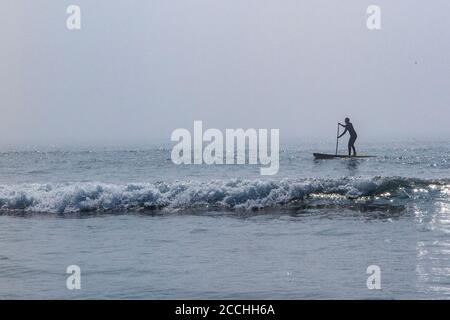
(351, 142)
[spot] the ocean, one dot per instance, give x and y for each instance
(140, 227)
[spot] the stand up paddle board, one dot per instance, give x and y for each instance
(337, 156)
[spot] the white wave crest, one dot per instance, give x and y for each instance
(245, 194)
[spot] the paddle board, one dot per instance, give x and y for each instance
(334, 156)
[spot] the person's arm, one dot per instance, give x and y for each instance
(345, 131)
(342, 125)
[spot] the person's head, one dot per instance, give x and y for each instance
(347, 120)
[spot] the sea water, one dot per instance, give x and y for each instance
(140, 227)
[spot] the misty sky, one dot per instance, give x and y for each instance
(140, 69)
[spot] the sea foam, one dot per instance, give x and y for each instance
(231, 194)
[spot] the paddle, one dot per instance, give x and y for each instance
(337, 139)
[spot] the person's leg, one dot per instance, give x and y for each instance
(353, 146)
(350, 144)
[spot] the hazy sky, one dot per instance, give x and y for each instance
(140, 69)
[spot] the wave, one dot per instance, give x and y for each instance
(232, 194)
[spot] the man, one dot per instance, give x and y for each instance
(351, 142)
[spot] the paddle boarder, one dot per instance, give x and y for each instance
(351, 142)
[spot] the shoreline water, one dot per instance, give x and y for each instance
(271, 256)
(140, 227)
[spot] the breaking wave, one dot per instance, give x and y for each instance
(229, 195)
